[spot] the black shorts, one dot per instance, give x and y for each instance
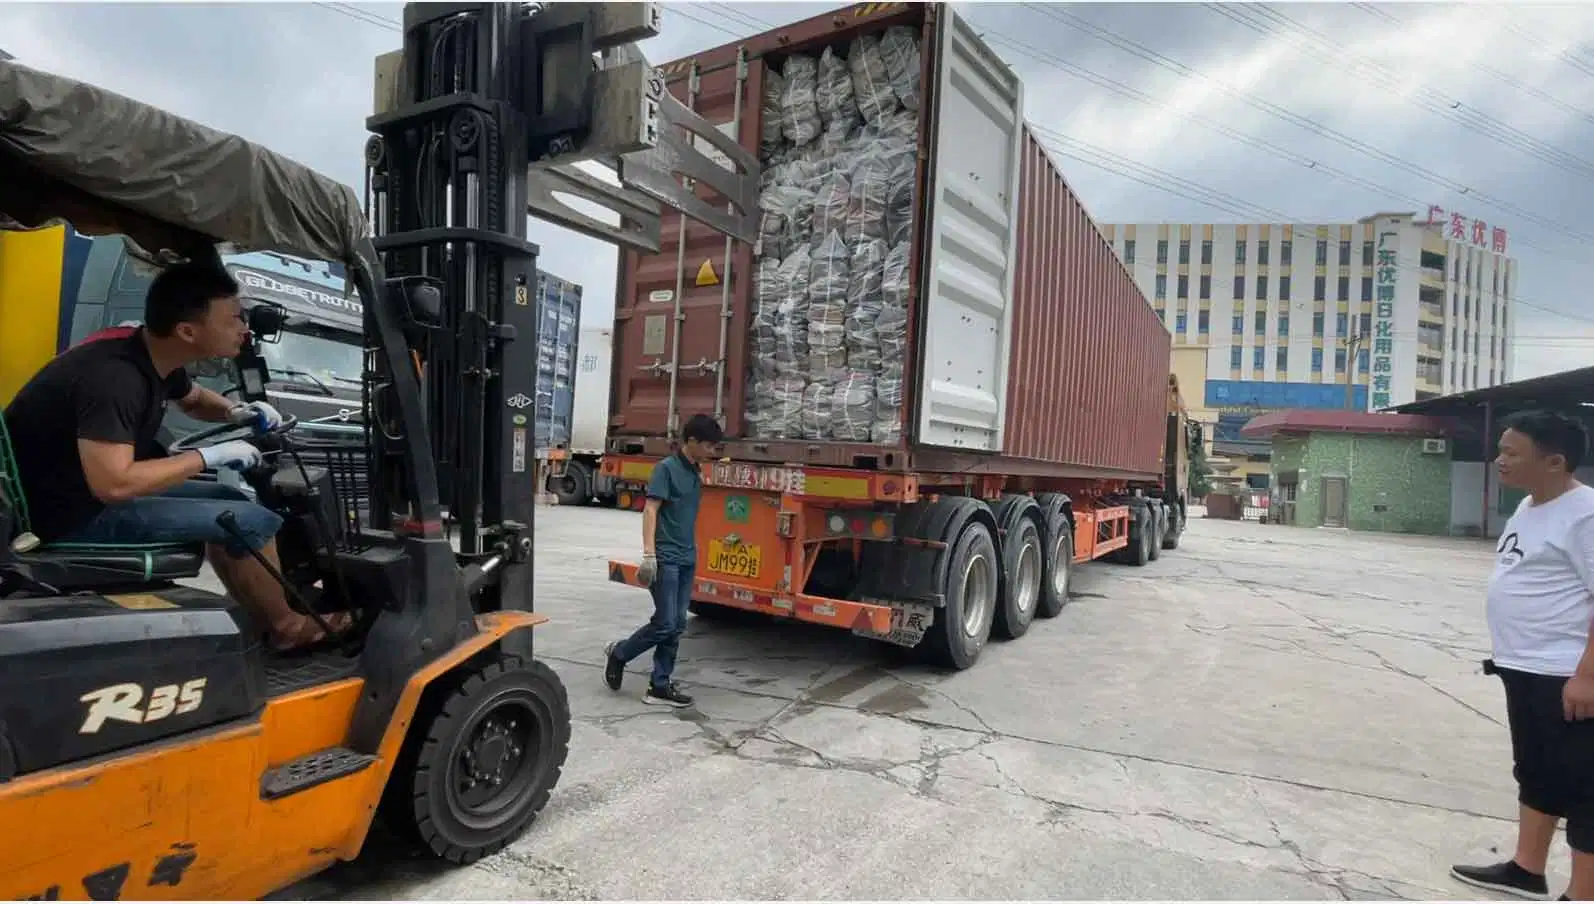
(1554, 758)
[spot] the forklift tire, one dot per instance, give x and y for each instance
(485, 764)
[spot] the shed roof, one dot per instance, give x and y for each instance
(1565, 389)
(1309, 420)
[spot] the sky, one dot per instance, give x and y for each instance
(1156, 112)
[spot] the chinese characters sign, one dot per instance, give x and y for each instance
(1383, 338)
(1459, 228)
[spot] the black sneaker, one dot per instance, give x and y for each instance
(613, 669)
(670, 695)
(1507, 878)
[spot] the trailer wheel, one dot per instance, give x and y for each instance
(1138, 552)
(1059, 549)
(575, 487)
(970, 585)
(1176, 525)
(1159, 521)
(1023, 566)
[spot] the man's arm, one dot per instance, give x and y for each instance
(113, 476)
(661, 492)
(206, 405)
(650, 525)
(1580, 549)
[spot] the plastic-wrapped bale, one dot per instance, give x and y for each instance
(780, 407)
(852, 408)
(899, 48)
(832, 201)
(894, 283)
(799, 104)
(789, 319)
(887, 426)
(770, 139)
(871, 81)
(874, 176)
(865, 297)
(816, 415)
(833, 94)
(828, 280)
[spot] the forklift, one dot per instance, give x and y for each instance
(151, 746)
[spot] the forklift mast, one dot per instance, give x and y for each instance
(479, 118)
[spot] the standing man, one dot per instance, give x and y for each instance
(1541, 600)
(669, 556)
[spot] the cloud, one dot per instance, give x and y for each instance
(297, 77)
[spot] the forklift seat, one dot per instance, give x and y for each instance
(69, 566)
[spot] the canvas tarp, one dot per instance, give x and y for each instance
(108, 164)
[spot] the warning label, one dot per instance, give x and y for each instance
(706, 275)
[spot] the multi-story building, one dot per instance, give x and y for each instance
(1393, 308)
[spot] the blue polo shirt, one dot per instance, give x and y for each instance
(678, 484)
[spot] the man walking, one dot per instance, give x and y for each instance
(669, 556)
(1541, 600)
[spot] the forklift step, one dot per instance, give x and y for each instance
(313, 769)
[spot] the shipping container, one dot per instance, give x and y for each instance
(558, 348)
(1019, 309)
(921, 249)
(579, 481)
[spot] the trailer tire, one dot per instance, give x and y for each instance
(1176, 525)
(970, 582)
(1059, 559)
(575, 488)
(1142, 534)
(1159, 520)
(1023, 560)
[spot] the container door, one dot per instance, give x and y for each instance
(967, 283)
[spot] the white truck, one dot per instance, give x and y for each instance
(580, 481)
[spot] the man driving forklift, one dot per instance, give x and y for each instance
(78, 423)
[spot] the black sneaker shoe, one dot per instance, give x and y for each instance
(613, 669)
(667, 696)
(1507, 878)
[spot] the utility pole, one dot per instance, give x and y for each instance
(1352, 343)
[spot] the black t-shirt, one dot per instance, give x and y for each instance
(105, 390)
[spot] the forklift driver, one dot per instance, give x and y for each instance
(75, 425)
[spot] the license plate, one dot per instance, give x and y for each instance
(738, 560)
(909, 623)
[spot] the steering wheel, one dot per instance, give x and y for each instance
(222, 433)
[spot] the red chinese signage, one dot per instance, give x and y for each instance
(1460, 228)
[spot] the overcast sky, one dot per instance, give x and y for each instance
(1317, 113)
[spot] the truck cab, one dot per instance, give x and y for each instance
(315, 362)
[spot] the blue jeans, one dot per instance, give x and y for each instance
(185, 513)
(672, 591)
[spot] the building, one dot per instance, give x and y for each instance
(1391, 309)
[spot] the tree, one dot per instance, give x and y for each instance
(1199, 485)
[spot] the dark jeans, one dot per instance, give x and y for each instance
(185, 513)
(672, 591)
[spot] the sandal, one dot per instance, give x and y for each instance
(308, 637)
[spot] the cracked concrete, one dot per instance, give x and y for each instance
(1265, 713)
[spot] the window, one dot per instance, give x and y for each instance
(1182, 322)
(1317, 324)
(1261, 288)
(1317, 360)
(1206, 252)
(1366, 327)
(1257, 360)
(1184, 286)
(1162, 251)
(1239, 326)
(1284, 324)
(1340, 323)
(1184, 252)
(1206, 287)
(1361, 359)
(1261, 253)
(1239, 252)
(1339, 360)
(1344, 288)
(1367, 288)
(1129, 252)
(1234, 357)
(1367, 254)
(1203, 322)
(1281, 359)
(1261, 323)
(1286, 253)
(1239, 287)
(1319, 288)
(1344, 254)
(1284, 288)
(1162, 285)
(1322, 253)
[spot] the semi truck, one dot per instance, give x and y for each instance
(941, 389)
(581, 480)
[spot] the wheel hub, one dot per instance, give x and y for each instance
(491, 756)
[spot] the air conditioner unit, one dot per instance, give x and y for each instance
(1433, 447)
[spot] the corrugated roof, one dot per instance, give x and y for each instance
(1566, 388)
(1308, 420)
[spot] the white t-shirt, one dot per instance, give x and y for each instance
(1541, 595)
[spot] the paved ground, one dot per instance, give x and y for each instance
(1266, 713)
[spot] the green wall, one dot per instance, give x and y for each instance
(1388, 471)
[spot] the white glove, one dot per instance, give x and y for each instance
(238, 454)
(260, 414)
(648, 571)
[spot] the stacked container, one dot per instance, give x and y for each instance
(558, 332)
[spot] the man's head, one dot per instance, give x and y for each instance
(195, 308)
(701, 438)
(1540, 446)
